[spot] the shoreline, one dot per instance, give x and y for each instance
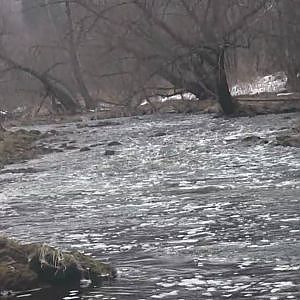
(247, 105)
(19, 145)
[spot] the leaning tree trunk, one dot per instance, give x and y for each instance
(89, 102)
(224, 96)
(196, 88)
(293, 82)
(52, 86)
(59, 93)
(1, 127)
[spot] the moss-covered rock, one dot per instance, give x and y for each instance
(31, 266)
(290, 139)
(17, 145)
(18, 277)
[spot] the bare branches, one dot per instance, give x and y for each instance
(245, 20)
(121, 51)
(162, 25)
(89, 102)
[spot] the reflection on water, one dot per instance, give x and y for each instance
(192, 214)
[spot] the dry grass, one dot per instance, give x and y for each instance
(36, 265)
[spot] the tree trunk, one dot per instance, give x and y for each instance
(89, 102)
(293, 83)
(199, 91)
(52, 86)
(1, 127)
(192, 87)
(223, 92)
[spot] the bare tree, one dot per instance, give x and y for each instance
(53, 87)
(149, 31)
(31, 67)
(89, 102)
(287, 20)
(124, 51)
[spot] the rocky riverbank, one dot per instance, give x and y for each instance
(291, 139)
(20, 145)
(247, 105)
(31, 266)
(17, 145)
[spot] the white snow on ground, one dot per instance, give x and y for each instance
(274, 83)
(184, 96)
(20, 110)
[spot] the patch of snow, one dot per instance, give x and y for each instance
(274, 83)
(164, 295)
(19, 110)
(284, 94)
(184, 96)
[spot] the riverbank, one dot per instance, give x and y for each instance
(17, 145)
(22, 145)
(247, 105)
(267, 104)
(32, 266)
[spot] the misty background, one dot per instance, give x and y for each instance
(70, 55)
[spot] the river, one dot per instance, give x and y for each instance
(185, 209)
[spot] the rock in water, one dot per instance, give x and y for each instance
(30, 266)
(17, 145)
(292, 140)
(158, 134)
(84, 149)
(109, 152)
(114, 143)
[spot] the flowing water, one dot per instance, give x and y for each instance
(185, 209)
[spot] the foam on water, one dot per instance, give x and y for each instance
(194, 214)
